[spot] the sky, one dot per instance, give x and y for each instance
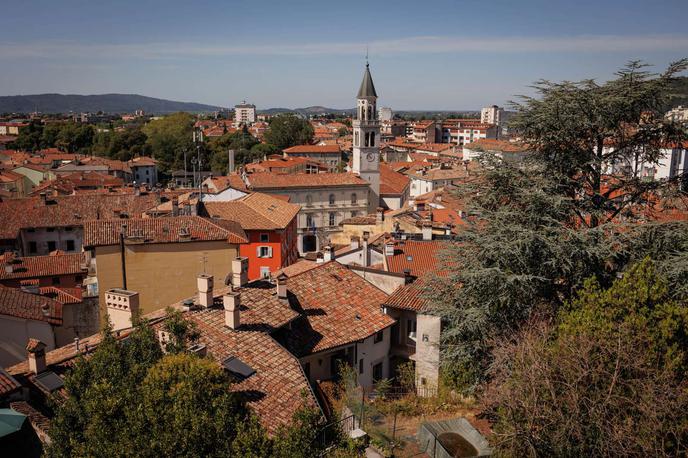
(424, 55)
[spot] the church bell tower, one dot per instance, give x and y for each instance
(366, 148)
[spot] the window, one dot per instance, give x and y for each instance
(78, 279)
(333, 218)
(309, 221)
(354, 199)
(70, 245)
(51, 246)
(33, 248)
(360, 366)
(377, 372)
(56, 280)
(331, 199)
(309, 200)
(264, 252)
(264, 238)
(378, 337)
(264, 272)
(354, 214)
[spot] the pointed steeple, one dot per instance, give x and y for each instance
(367, 88)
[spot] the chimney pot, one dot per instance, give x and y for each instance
(121, 306)
(36, 350)
(282, 292)
(239, 271)
(232, 305)
(328, 253)
(205, 290)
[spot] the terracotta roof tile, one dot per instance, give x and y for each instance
(255, 211)
(12, 267)
(160, 230)
(337, 306)
(313, 149)
(392, 182)
(8, 384)
(17, 303)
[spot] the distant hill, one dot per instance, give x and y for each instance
(108, 103)
(678, 93)
(317, 110)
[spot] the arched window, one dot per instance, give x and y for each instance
(331, 199)
(353, 198)
(309, 221)
(372, 139)
(332, 218)
(370, 114)
(309, 200)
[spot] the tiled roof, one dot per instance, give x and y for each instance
(142, 161)
(419, 257)
(8, 384)
(259, 181)
(392, 182)
(300, 266)
(160, 230)
(232, 180)
(439, 174)
(40, 266)
(409, 297)
(255, 211)
(338, 307)
(502, 146)
(434, 147)
(17, 303)
(62, 295)
(31, 212)
(313, 149)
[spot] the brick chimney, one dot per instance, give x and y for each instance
(282, 291)
(239, 271)
(232, 303)
(205, 290)
(121, 305)
(36, 350)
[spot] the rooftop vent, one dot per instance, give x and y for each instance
(238, 368)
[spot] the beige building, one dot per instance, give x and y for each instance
(244, 113)
(161, 256)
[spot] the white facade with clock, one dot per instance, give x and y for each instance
(366, 139)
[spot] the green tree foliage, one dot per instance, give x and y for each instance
(287, 130)
(607, 380)
(70, 137)
(241, 141)
(577, 128)
(168, 137)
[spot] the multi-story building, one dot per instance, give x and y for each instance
(328, 155)
(325, 199)
(462, 131)
(144, 170)
(491, 115)
(160, 257)
(271, 229)
(423, 131)
(244, 114)
(385, 114)
(678, 114)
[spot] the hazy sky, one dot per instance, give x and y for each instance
(437, 54)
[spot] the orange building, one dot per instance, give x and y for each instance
(270, 225)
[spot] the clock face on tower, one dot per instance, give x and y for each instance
(370, 157)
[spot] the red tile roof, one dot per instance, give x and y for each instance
(419, 257)
(338, 307)
(313, 149)
(8, 384)
(263, 181)
(12, 267)
(256, 211)
(17, 303)
(392, 182)
(160, 230)
(233, 181)
(32, 212)
(502, 146)
(409, 297)
(62, 295)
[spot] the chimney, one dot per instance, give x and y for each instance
(175, 206)
(121, 305)
(355, 242)
(36, 350)
(379, 215)
(427, 230)
(389, 248)
(407, 276)
(328, 253)
(232, 303)
(319, 258)
(282, 286)
(365, 261)
(205, 290)
(231, 155)
(44, 198)
(239, 271)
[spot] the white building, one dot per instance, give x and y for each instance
(385, 114)
(492, 115)
(244, 113)
(678, 114)
(366, 139)
(144, 170)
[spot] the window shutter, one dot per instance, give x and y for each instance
(269, 252)
(258, 252)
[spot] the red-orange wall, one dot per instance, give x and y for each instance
(284, 250)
